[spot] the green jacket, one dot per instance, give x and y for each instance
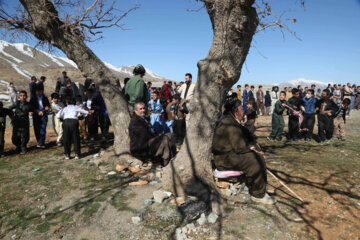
(278, 108)
(231, 142)
(136, 90)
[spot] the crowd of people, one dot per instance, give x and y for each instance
(159, 116)
(331, 106)
(75, 115)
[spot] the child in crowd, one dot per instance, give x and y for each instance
(309, 115)
(155, 108)
(56, 106)
(69, 114)
(12, 93)
(326, 110)
(81, 118)
(21, 122)
(339, 120)
(3, 113)
(268, 103)
(176, 112)
(297, 104)
(92, 121)
(277, 121)
(251, 116)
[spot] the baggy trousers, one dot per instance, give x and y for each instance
(71, 135)
(324, 127)
(293, 127)
(58, 128)
(278, 125)
(179, 128)
(260, 107)
(2, 140)
(40, 123)
(308, 122)
(254, 167)
(339, 127)
(21, 133)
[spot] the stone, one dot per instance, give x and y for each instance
(140, 173)
(184, 229)
(136, 220)
(110, 175)
(202, 220)
(96, 155)
(43, 216)
(160, 196)
(227, 192)
(222, 184)
(150, 176)
(138, 183)
(36, 170)
(191, 226)
(148, 202)
(13, 236)
(153, 182)
(205, 230)
(178, 201)
(134, 169)
(120, 167)
(179, 235)
(158, 174)
(168, 194)
(212, 217)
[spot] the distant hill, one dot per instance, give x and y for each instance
(20, 61)
(305, 83)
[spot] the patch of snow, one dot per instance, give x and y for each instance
(305, 83)
(21, 48)
(152, 74)
(4, 83)
(5, 44)
(53, 59)
(68, 61)
(19, 69)
(4, 97)
(112, 67)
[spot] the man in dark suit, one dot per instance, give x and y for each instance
(252, 93)
(145, 144)
(41, 106)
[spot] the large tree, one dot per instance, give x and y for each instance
(67, 25)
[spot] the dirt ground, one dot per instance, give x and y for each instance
(43, 196)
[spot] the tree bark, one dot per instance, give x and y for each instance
(47, 27)
(234, 23)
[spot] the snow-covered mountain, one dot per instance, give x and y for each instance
(20, 61)
(305, 83)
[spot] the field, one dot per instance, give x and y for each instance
(43, 196)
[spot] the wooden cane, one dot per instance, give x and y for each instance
(297, 196)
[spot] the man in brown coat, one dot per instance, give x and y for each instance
(144, 143)
(260, 97)
(235, 148)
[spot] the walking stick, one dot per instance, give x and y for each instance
(281, 182)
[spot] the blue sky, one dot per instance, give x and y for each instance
(170, 41)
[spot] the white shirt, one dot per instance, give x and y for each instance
(40, 102)
(88, 103)
(71, 112)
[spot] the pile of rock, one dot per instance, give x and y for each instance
(234, 189)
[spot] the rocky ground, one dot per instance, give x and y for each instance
(43, 196)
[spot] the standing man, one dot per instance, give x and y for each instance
(40, 84)
(260, 101)
(32, 86)
(186, 90)
(274, 97)
(327, 109)
(239, 92)
(12, 93)
(301, 91)
(252, 93)
(245, 97)
(41, 106)
(21, 123)
(135, 89)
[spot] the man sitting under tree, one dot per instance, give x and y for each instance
(235, 149)
(145, 144)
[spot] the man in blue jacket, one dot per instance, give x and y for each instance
(309, 115)
(41, 106)
(245, 97)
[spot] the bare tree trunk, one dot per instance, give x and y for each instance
(47, 27)
(234, 23)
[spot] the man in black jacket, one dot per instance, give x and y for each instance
(41, 106)
(144, 143)
(326, 112)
